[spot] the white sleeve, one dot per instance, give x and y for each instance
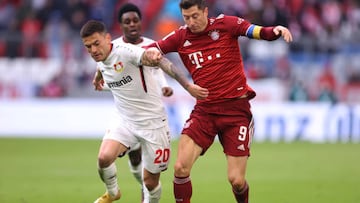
(132, 53)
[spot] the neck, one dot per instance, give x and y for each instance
(111, 47)
(133, 41)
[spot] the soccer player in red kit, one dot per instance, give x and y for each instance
(210, 51)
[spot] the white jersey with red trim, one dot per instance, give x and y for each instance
(158, 72)
(134, 87)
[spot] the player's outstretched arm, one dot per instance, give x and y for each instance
(284, 32)
(194, 90)
(269, 33)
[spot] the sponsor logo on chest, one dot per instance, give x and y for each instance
(124, 80)
(118, 67)
(199, 57)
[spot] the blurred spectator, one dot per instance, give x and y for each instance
(353, 76)
(13, 39)
(326, 95)
(57, 36)
(298, 92)
(30, 29)
(53, 89)
(327, 85)
(283, 69)
(7, 13)
(77, 13)
(321, 28)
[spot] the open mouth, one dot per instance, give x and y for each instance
(134, 32)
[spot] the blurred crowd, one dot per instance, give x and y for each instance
(321, 64)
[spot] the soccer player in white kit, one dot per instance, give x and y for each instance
(130, 22)
(140, 115)
(129, 18)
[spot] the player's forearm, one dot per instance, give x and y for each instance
(145, 60)
(267, 33)
(150, 57)
(174, 72)
(259, 32)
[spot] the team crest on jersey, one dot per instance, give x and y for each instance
(240, 20)
(214, 34)
(118, 67)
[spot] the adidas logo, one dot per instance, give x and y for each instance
(241, 147)
(187, 43)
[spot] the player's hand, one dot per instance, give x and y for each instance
(151, 57)
(284, 32)
(167, 91)
(98, 81)
(197, 91)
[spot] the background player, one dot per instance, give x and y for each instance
(209, 49)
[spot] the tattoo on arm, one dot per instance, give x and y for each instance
(174, 72)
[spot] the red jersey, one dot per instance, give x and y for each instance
(213, 57)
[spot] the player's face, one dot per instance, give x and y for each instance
(98, 45)
(196, 19)
(131, 26)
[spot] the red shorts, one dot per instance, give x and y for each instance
(231, 120)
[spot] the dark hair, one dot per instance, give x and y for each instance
(128, 8)
(91, 27)
(186, 4)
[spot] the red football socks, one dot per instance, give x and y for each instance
(243, 195)
(182, 189)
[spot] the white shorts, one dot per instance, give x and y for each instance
(155, 143)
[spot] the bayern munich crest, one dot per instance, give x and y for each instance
(214, 35)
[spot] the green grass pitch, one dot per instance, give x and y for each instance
(64, 171)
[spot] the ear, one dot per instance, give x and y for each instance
(206, 11)
(108, 37)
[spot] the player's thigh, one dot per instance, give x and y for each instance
(121, 133)
(200, 128)
(109, 150)
(156, 149)
(237, 135)
(188, 152)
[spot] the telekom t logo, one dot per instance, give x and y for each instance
(197, 58)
